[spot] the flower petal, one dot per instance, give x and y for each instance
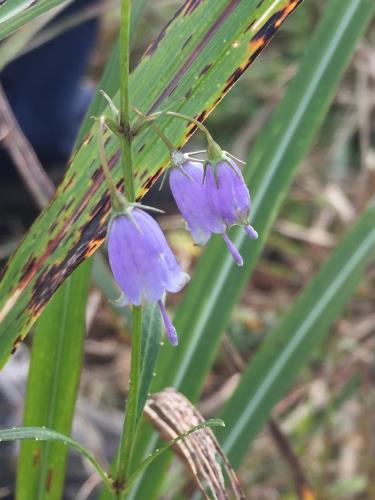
(189, 192)
(169, 328)
(229, 195)
(141, 260)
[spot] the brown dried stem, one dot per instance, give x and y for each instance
(24, 158)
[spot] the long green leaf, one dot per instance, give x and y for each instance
(55, 368)
(217, 283)
(152, 329)
(288, 347)
(43, 434)
(212, 42)
(11, 47)
(15, 13)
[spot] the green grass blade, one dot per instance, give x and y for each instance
(11, 47)
(43, 434)
(15, 13)
(217, 283)
(287, 348)
(205, 64)
(211, 423)
(152, 330)
(46, 376)
(52, 387)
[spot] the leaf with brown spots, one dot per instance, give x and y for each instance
(224, 37)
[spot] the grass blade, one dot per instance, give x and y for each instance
(288, 347)
(52, 387)
(218, 282)
(152, 330)
(43, 434)
(15, 13)
(110, 80)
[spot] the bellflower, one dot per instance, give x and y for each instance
(142, 262)
(212, 197)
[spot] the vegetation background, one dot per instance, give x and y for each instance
(322, 432)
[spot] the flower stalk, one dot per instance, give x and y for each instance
(127, 439)
(214, 151)
(125, 128)
(116, 200)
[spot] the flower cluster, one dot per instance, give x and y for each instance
(212, 198)
(211, 195)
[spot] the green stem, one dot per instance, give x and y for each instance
(128, 435)
(163, 137)
(214, 150)
(116, 201)
(125, 451)
(126, 135)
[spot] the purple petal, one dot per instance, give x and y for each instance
(191, 197)
(251, 232)
(169, 328)
(141, 261)
(228, 192)
(233, 250)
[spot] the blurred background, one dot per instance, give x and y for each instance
(323, 431)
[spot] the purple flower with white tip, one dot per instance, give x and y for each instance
(142, 262)
(212, 198)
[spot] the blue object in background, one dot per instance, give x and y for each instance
(43, 88)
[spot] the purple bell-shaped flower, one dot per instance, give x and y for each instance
(192, 199)
(142, 262)
(212, 198)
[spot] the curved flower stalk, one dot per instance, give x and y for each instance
(142, 262)
(212, 197)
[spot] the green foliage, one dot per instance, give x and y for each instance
(15, 13)
(42, 434)
(52, 387)
(152, 330)
(213, 43)
(287, 349)
(217, 282)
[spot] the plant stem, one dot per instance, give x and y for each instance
(191, 120)
(127, 440)
(163, 137)
(116, 201)
(126, 135)
(214, 150)
(124, 455)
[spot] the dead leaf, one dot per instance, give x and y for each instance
(172, 414)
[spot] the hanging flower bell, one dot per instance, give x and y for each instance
(142, 262)
(212, 197)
